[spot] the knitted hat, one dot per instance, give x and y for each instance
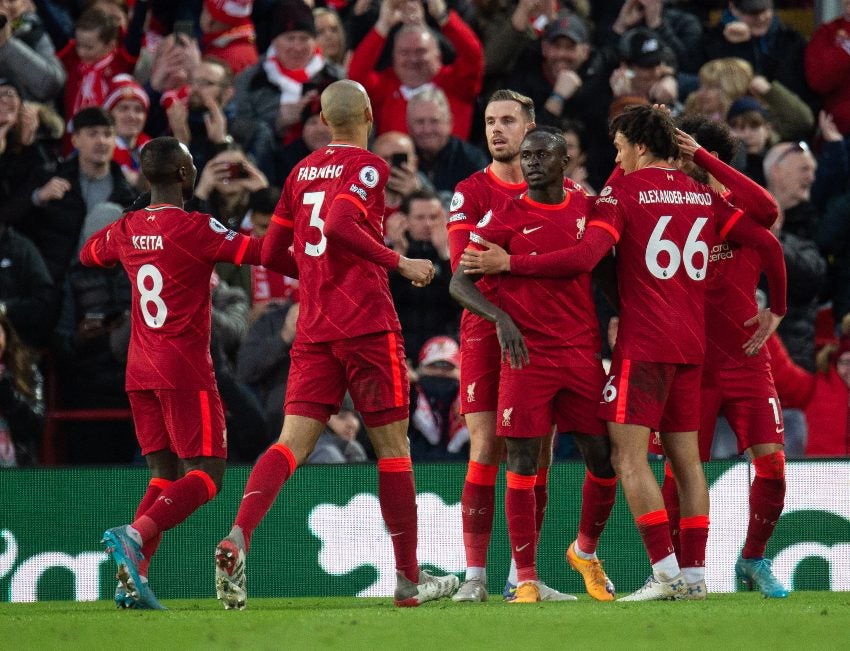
(439, 349)
(123, 87)
(292, 16)
(230, 12)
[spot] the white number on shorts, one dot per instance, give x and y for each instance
(773, 403)
(151, 296)
(693, 246)
(609, 393)
(316, 199)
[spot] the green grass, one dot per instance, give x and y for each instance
(806, 620)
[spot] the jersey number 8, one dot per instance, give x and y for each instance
(151, 297)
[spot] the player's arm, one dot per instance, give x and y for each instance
(750, 197)
(463, 290)
(565, 263)
(278, 237)
(746, 232)
(605, 277)
(99, 251)
(344, 229)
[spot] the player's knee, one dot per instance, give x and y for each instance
(771, 465)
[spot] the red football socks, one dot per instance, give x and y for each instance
(268, 476)
(597, 500)
(654, 531)
(176, 503)
(693, 537)
(521, 515)
(767, 498)
(397, 495)
(477, 502)
(670, 494)
(155, 487)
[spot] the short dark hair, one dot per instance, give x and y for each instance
(422, 194)
(554, 133)
(160, 160)
(652, 128)
(506, 95)
(264, 200)
(97, 20)
(92, 116)
(711, 134)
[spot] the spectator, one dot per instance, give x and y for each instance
(678, 29)
(443, 158)
(398, 150)
(338, 442)
(226, 185)
(750, 123)
(567, 78)
(418, 230)
(827, 413)
(437, 430)
(330, 36)
(228, 33)
(416, 63)
(749, 30)
(648, 70)
(315, 134)
(26, 289)
(262, 286)
(833, 239)
(95, 55)
(575, 136)
(290, 75)
(64, 204)
(21, 400)
(128, 103)
(174, 63)
(27, 57)
(263, 359)
(827, 64)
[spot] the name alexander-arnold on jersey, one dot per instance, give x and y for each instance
(674, 196)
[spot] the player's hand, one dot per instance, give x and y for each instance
(493, 260)
(687, 145)
(417, 271)
(514, 350)
(767, 323)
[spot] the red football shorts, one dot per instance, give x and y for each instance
(664, 397)
(370, 367)
(480, 365)
(189, 423)
(747, 398)
(532, 398)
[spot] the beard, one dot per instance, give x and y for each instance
(504, 156)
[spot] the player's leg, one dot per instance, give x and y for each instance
(376, 376)
(520, 511)
(756, 419)
(479, 385)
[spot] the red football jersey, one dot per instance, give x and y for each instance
(730, 299)
(342, 295)
(473, 198)
(556, 316)
(665, 224)
(169, 255)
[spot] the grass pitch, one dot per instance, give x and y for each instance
(806, 620)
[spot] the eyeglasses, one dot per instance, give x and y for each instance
(800, 147)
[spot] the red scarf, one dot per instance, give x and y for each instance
(94, 84)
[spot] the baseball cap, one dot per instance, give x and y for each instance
(641, 47)
(567, 24)
(743, 105)
(752, 6)
(439, 349)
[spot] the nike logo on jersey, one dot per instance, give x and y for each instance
(779, 430)
(519, 548)
(526, 231)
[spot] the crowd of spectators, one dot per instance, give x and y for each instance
(84, 84)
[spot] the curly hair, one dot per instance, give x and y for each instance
(18, 359)
(653, 128)
(713, 135)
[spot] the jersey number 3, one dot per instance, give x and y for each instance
(316, 199)
(693, 247)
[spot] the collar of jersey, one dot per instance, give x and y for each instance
(546, 206)
(510, 186)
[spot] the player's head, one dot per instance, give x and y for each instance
(346, 107)
(643, 135)
(714, 136)
(166, 161)
(543, 157)
(507, 117)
